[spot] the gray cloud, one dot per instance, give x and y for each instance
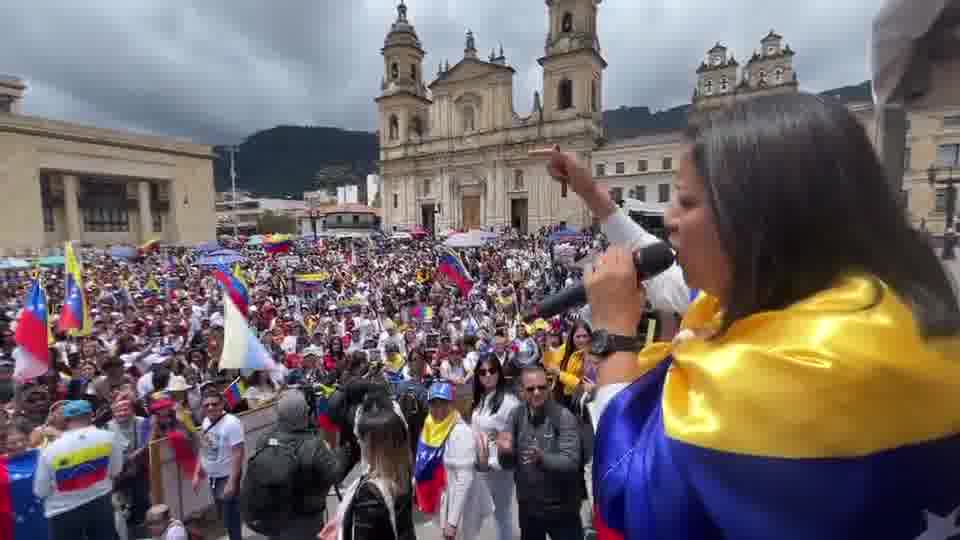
(217, 70)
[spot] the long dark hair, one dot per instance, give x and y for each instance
(385, 435)
(800, 199)
(568, 349)
(478, 390)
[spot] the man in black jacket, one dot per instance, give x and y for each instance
(318, 468)
(542, 444)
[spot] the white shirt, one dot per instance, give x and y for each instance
(77, 468)
(216, 455)
(175, 531)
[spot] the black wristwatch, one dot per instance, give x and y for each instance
(604, 343)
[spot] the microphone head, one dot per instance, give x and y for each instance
(654, 259)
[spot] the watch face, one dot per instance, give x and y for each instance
(600, 343)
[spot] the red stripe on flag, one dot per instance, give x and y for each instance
(6, 503)
(182, 452)
(603, 531)
(32, 336)
(83, 480)
(428, 492)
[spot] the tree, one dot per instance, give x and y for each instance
(268, 222)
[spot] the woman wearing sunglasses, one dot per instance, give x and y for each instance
(492, 405)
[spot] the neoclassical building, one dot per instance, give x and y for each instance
(65, 181)
(453, 151)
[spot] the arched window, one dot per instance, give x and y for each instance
(762, 77)
(394, 70)
(394, 130)
(565, 94)
(566, 24)
(708, 87)
(416, 126)
(724, 84)
(468, 118)
(594, 96)
(778, 75)
(413, 72)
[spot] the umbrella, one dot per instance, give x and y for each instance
(562, 234)
(123, 252)
(470, 239)
(13, 264)
(56, 260)
(255, 240)
(219, 260)
(225, 253)
(208, 246)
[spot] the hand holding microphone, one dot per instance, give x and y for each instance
(615, 293)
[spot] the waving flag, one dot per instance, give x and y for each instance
(75, 315)
(32, 336)
(831, 419)
(151, 287)
(322, 410)
(428, 471)
(21, 512)
(277, 243)
(234, 393)
(148, 247)
(452, 267)
(241, 348)
(234, 287)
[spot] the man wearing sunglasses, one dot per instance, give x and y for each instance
(542, 444)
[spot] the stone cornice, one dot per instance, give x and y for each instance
(66, 131)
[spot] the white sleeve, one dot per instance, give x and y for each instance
(42, 479)
(458, 458)
(602, 398)
(234, 433)
(666, 291)
(116, 455)
(177, 532)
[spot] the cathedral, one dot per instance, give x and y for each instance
(453, 151)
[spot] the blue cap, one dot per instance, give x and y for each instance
(77, 407)
(440, 390)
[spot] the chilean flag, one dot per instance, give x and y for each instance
(21, 512)
(234, 288)
(452, 267)
(32, 354)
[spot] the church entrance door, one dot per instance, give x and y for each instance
(470, 212)
(518, 215)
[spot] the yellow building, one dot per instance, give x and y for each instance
(65, 181)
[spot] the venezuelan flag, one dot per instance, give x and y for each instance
(428, 471)
(234, 287)
(82, 468)
(277, 243)
(831, 419)
(75, 315)
(21, 512)
(32, 336)
(322, 410)
(234, 393)
(451, 266)
(151, 287)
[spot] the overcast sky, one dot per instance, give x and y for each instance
(217, 70)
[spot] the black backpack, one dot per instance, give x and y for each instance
(269, 495)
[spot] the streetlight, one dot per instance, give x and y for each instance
(950, 204)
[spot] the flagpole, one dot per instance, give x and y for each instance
(233, 188)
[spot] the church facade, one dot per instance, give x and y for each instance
(453, 151)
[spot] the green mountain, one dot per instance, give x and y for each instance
(285, 161)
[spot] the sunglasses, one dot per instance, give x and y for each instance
(533, 389)
(484, 372)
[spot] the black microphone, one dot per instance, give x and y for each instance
(649, 261)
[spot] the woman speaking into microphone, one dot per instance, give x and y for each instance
(813, 391)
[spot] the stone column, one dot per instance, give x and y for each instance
(146, 216)
(71, 207)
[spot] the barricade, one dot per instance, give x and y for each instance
(171, 486)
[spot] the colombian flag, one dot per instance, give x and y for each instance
(234, 393)
(452, 267)
(75, 315)
(21, 512)
(428, 471)
(82, 468)
(831, 419)
(234, 288)
(32, 336)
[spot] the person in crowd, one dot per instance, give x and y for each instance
(807, 315)
(541, 443)
(75, 475)
(162, 526)
(569, 371)
(493, 403)
(131, 487)
(221, 459)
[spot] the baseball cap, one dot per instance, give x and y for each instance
(440, 390)
(77, 407)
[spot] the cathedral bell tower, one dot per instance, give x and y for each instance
(572, 63)
(403, 104)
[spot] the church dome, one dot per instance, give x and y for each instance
(402, 32)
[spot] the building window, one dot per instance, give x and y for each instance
(639, 193)
(642, 165)
(778, 75)
(106, 220)
(566, 24)
(948, 155)
(518, 180)
(413, 72)
(46, 203)
(663, 193)
(49, 225)
(951, 121)
(104, 207)
(601, 169)
(394, 70)
(416, 126)
(616, 195)
(565, 94)
(940, 205)
(157, 222)
(394, 127)
(618, 166)
(762, 77)
(724, 84)
(468, 118)
(668, 163)
(396, 201)
(339, 220)
(563, 190)
(708, 87)
(594, 94)
(356, 219)
(425, 187)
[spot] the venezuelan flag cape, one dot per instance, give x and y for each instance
(21, 512)
(75, 315)
(322, 410)
(831, 419)
(428, 471)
